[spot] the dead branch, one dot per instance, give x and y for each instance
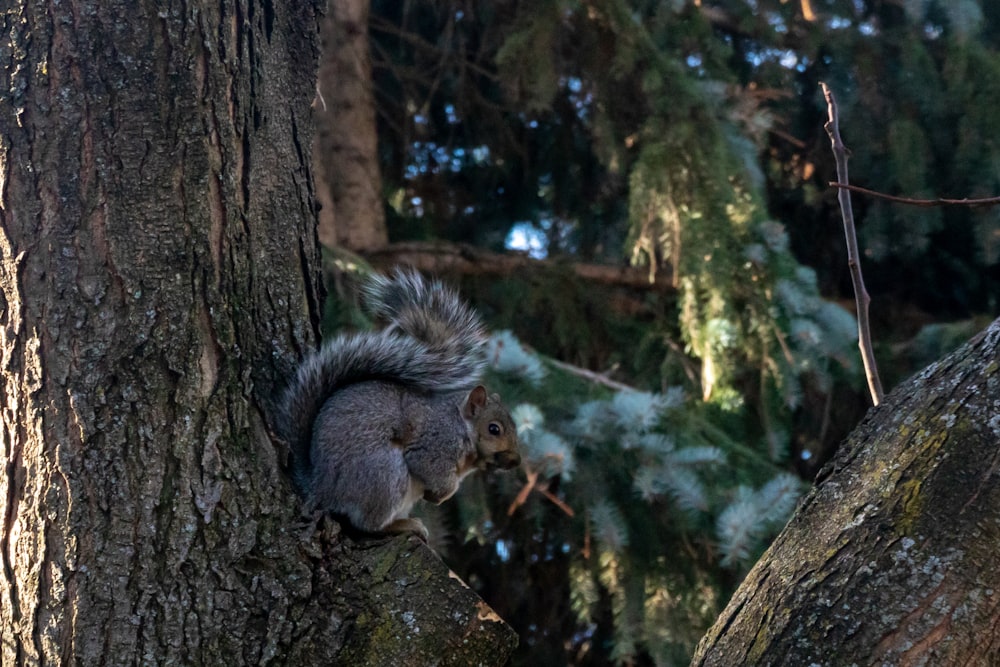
(832, 128)
(532, 484)
(597, 378)
(926, 203)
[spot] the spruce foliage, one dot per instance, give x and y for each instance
(685, 138)
(654, 509)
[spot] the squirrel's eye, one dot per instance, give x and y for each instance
(494, 428)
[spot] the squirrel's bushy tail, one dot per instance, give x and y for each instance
(434, 343)
(429, 312)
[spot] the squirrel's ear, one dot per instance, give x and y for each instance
(476, 400)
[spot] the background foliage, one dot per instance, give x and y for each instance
(685, 137)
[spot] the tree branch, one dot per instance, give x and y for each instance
(466, 259)
(832, 128)
(896, 541)
(591, 376)
(385, 590)
(926, 203)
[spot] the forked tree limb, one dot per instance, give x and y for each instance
(832, 128)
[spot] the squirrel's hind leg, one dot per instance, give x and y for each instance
(415, 526)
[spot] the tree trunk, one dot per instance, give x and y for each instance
(348, 181)
(892, 558)
(158, 279)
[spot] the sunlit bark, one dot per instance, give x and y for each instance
(891, 560)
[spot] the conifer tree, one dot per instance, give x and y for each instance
(686, 138)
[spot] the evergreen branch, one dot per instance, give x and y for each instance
(924, 203)
(832, 128)
(436, 257)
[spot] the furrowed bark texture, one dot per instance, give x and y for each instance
(157, 284)
(150, 249)
(892, 558)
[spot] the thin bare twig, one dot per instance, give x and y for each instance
(420, 44)
(926, 203)
(832, 128)
(590, 375)
(525, 491)
(558, 502)
(543, 488)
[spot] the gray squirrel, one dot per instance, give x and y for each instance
(378, 420)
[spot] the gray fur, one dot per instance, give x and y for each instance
(374, 485)
(349, 414)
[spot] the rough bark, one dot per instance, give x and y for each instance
(348, 181)
(415, 611)
(891, 559)
(157, 282)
